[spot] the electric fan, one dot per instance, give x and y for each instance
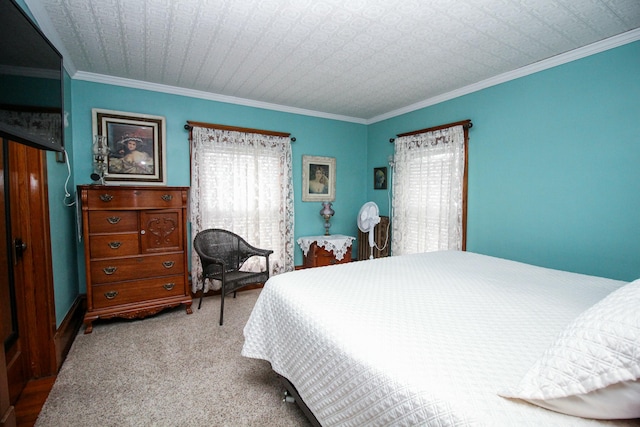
(367, 220)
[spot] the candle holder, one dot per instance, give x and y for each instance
(100, 158)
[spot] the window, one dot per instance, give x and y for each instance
(242, 182)
(429, 188)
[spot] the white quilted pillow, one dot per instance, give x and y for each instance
(593, 368)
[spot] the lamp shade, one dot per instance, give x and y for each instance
(326, 209)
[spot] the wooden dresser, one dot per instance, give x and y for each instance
(135, 246)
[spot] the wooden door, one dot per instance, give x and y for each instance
(26, 290)
(7, 324)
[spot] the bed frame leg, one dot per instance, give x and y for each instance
(291, 396)
(288, 398)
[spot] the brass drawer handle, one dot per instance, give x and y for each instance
(167, 197)
(111, 294)
(168, 264)
(169, 286)
(106, 197)
(115, 245)
(113, 219)
(109, 270)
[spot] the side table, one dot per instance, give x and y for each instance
(325, 250)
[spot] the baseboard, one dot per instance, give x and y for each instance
(66, 333)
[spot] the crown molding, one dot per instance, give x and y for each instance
(174, 90)
(573, 55)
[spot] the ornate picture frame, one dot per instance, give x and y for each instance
(380, 178)
(137, 146)
(318, 179)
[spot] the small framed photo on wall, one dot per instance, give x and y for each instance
(136, 142)
(318, 179)
(380, 178)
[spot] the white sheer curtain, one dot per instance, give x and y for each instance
(428, 191)
(243, 182)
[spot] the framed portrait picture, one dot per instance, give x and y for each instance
(136, 142)
(380, 178)
(318, 179)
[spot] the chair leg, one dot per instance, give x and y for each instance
(201, 296)
(221, 304)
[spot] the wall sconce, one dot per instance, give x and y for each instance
(326, 213)
(100, 158)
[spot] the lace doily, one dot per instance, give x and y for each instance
(338, 244)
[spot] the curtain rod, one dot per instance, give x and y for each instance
(190, 125)
(466, 124)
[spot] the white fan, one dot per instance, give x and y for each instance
(367, 220)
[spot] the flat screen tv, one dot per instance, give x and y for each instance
(31, 82)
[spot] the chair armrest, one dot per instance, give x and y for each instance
(248, 251)
(262, 252)
(251, 250)
(206, 259)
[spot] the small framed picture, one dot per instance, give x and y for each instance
(318, 179)
(136, 142)
(380, 178)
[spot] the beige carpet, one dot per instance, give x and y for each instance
(171, 369)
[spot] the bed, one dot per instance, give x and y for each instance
(439, 339)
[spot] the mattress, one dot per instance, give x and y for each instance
(426, 339)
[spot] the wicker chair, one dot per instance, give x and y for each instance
(222, 254)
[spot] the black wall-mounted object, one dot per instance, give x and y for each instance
(31, 82)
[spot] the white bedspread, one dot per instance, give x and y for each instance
(425, 339)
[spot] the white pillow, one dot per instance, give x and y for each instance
(592, 369)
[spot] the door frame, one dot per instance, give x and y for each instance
(28, 184)
(28, 213)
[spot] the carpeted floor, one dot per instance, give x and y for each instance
(171, 369)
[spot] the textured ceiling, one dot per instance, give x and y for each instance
(353, 58)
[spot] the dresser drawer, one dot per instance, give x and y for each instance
(119, 269)
(319, 257)
(113, 221)
(114, 245)
(113, 294)
(126, 198)
(324, 257)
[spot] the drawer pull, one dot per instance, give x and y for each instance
(111, 294)
(109, 270)
(168, 264)
(115, 245)
(169, 286)
(113, 219)
(106, 197)
(167, 197)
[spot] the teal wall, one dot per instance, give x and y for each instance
(345, 141)
(62, 214)
(554, 164)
